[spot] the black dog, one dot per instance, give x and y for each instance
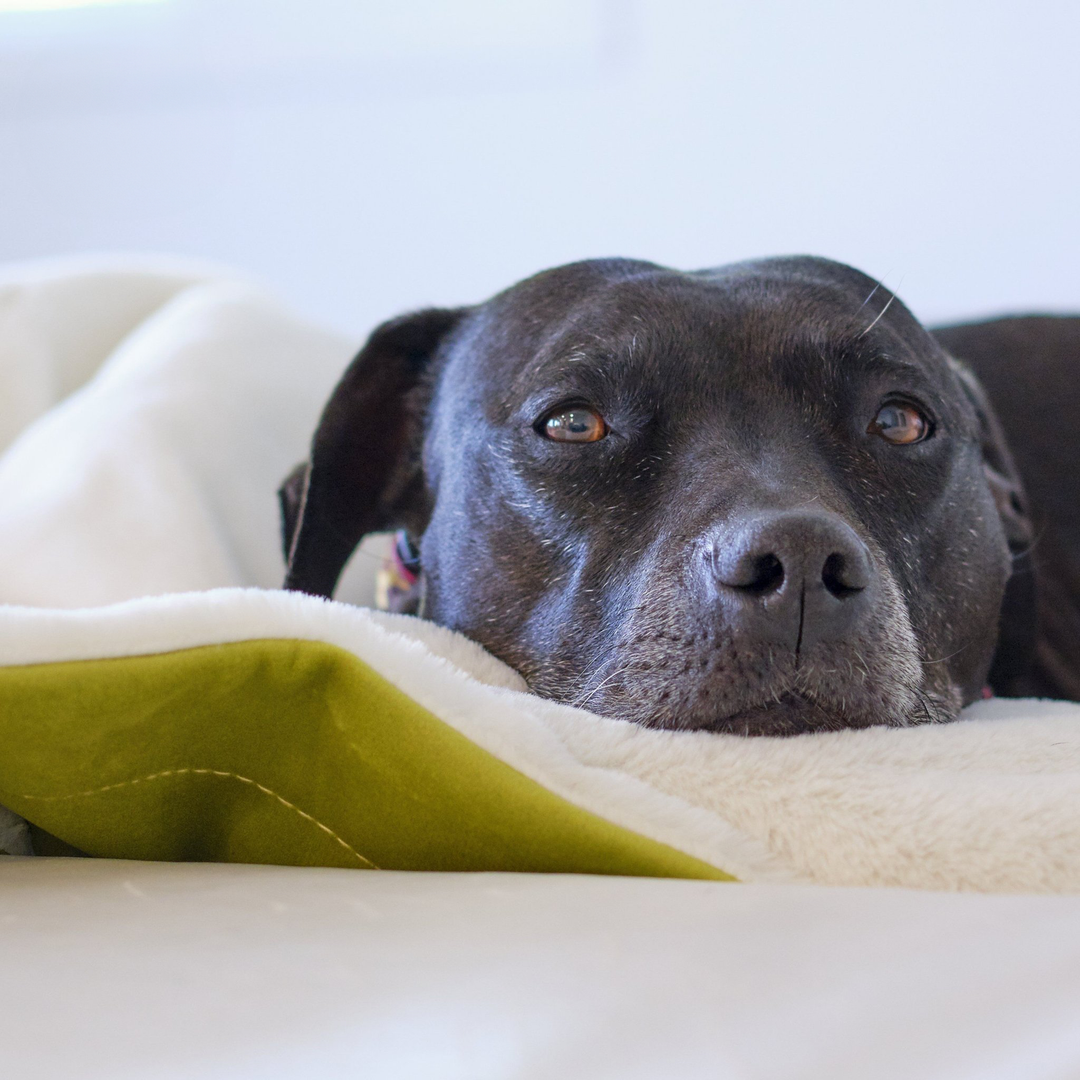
(759, 499)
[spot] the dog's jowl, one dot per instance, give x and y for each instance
(760, 499)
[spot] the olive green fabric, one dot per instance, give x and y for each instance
(282, 751)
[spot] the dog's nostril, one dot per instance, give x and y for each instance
(749, 571)
(766, 574)
(840, 578)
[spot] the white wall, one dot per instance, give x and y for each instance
(368, 158)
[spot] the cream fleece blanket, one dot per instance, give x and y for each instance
(150, 411)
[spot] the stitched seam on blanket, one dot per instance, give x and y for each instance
(210, 772)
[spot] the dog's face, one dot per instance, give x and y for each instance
(757, 499)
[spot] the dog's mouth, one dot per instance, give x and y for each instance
(789, 714)
(810, 705)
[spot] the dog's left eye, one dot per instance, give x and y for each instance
(573, 423)
(899, 423)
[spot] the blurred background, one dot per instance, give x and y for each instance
(367, 158)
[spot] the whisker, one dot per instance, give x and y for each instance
(942, 659)
(1031, 547)
(580, 702)
(870, 297)
(879, 315)
(924, 701)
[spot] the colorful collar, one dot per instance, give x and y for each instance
(406, 558)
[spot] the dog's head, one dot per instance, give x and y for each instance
(757, 499)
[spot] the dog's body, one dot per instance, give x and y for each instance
(760, 498)
(1029, 368)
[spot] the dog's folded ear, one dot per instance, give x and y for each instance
(1018, 625)
(364, 472)
(290, 498)
(998, 465)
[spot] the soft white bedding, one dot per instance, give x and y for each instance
(119, 970)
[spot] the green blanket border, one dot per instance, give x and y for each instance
(288, 752)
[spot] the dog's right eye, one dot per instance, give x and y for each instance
(573, 423)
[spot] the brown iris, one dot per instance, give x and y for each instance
(574, 423)
(899, 423)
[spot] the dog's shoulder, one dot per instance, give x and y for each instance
(1029, 366)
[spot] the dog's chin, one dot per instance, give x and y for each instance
(790, 714)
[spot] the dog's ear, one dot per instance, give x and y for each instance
(290, 499)
(998, 465)
(1018, 624)
(364, 470)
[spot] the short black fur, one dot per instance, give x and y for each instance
(620, 575)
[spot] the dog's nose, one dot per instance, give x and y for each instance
(792, 576)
